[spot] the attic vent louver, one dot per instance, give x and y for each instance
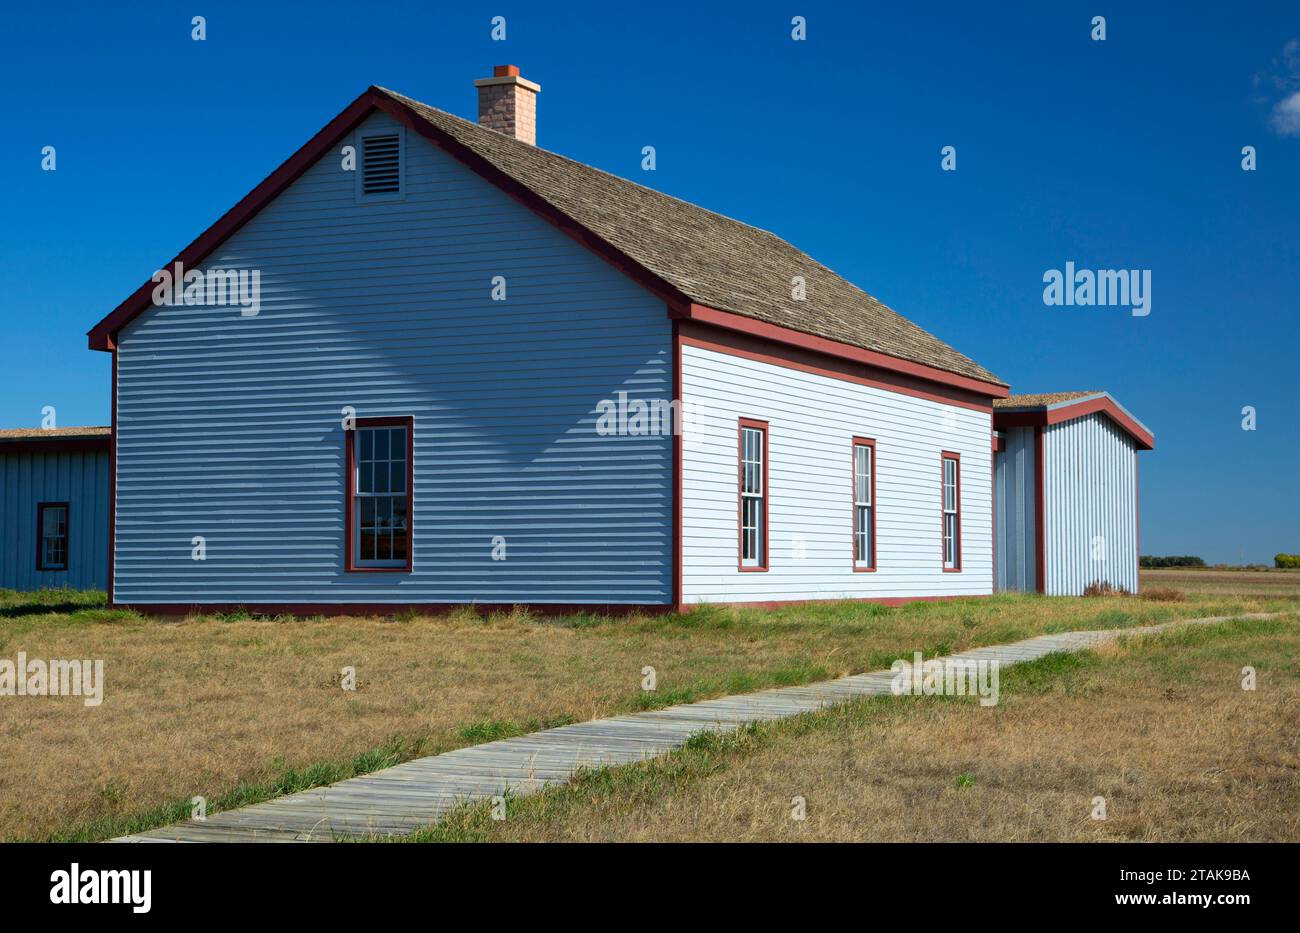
(381, 164)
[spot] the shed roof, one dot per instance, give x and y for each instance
(32, 434)
(54, 440)
(699, 256)
(1041, 399)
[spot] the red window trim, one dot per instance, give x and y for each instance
(853, 492)
(349, 498)
(956, 568)
(740, 504)
(40, 535)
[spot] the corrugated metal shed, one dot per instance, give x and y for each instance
(1065, 482)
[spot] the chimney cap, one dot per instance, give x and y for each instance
(504, 71)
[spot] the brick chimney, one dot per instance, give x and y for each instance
(507, 103)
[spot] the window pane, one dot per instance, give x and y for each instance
(367, 513)
(866, 533)
(367, 545)
(381, 443)
(399, 544)
(366, 481)
(367, 451)
(397, 445)
(861, 477)
(401, 530)
(381, 477)
(397, 477)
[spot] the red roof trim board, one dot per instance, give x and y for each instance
(103, 336)
(765, 350)
(1044, 415)
(785, 335)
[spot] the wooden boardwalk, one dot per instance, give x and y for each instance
(406, 797)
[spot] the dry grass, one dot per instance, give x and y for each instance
(230, 706)
(1102, 588)
(1161, 728)
(1163, 594)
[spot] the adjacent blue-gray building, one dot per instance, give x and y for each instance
(54, 508)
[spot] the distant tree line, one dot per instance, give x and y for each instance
(1150, 563)
(1286, 560)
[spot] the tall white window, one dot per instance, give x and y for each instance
(753, 495)
(864, 519)
(951, 512)
(381, 501)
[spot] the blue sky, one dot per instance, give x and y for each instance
(1117, 154)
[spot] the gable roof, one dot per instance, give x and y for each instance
(688, 255)
(1047, 408)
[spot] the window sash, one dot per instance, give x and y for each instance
(380, 519)
(862, 535)
(751, 530)
(951, 514)
(54, 537)
(861, 474)
(863, 508)
(753, 497)
(751, 461)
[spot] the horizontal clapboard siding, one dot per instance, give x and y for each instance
(230, 426)
(813, 420)
(1089, 482)
(1015, 487)
(79, 478)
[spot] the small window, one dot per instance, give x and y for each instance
(52, 536)
(381, 166)
(951, 511)
(753, 494)
(379, 487)
(864, 504)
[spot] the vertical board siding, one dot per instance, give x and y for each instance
(812, 422)
(1090, 483)
(230, 427)
(1013, 479)
(79, 478)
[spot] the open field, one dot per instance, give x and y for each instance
(1158, 725)
(1276, 584)
(238, 709)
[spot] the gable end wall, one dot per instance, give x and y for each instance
(230, 427)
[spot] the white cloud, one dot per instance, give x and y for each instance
(1286, 115)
